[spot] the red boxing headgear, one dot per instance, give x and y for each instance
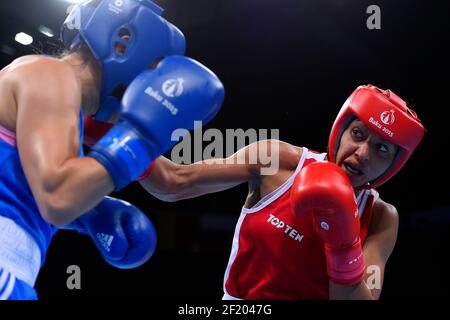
(387, 115)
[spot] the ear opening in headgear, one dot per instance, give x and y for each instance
(121, 46)
(124, 33)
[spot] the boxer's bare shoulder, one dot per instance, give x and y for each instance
(32, 71)
(296, 152)
(29, 80)
(37, 69)
(290, 155)
(384, 217)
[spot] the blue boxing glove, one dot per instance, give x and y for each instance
(123, 234)
(172, 96)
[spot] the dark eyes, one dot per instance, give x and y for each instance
(383, 148)
(358, 134)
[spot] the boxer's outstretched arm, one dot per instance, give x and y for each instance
(169, 181)
(47, 96)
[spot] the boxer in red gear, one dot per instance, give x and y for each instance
(281, 247)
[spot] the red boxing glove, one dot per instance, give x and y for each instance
(94, 130)
(324, 190)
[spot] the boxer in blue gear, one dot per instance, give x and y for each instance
(45, 180)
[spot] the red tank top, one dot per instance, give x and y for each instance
(272, 257)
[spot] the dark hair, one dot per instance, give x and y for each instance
(48, 48)
(82, 49)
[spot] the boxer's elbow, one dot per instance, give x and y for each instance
(57, 207)
(63, 194)
(57, 210)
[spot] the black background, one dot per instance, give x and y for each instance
(288, 65)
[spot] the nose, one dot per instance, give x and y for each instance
(363, 152)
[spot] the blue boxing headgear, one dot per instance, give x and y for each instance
(137, 26)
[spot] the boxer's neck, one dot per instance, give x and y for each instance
(88, 71)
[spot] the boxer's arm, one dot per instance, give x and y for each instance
(48, 104)
(377, 249)
(169, 181)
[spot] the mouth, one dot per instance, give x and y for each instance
(352, 169)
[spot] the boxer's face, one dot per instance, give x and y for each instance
(364, 155)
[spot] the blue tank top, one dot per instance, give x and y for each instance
(16, 200)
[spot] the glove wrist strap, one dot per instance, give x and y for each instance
(124, 153)
(346, 267)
